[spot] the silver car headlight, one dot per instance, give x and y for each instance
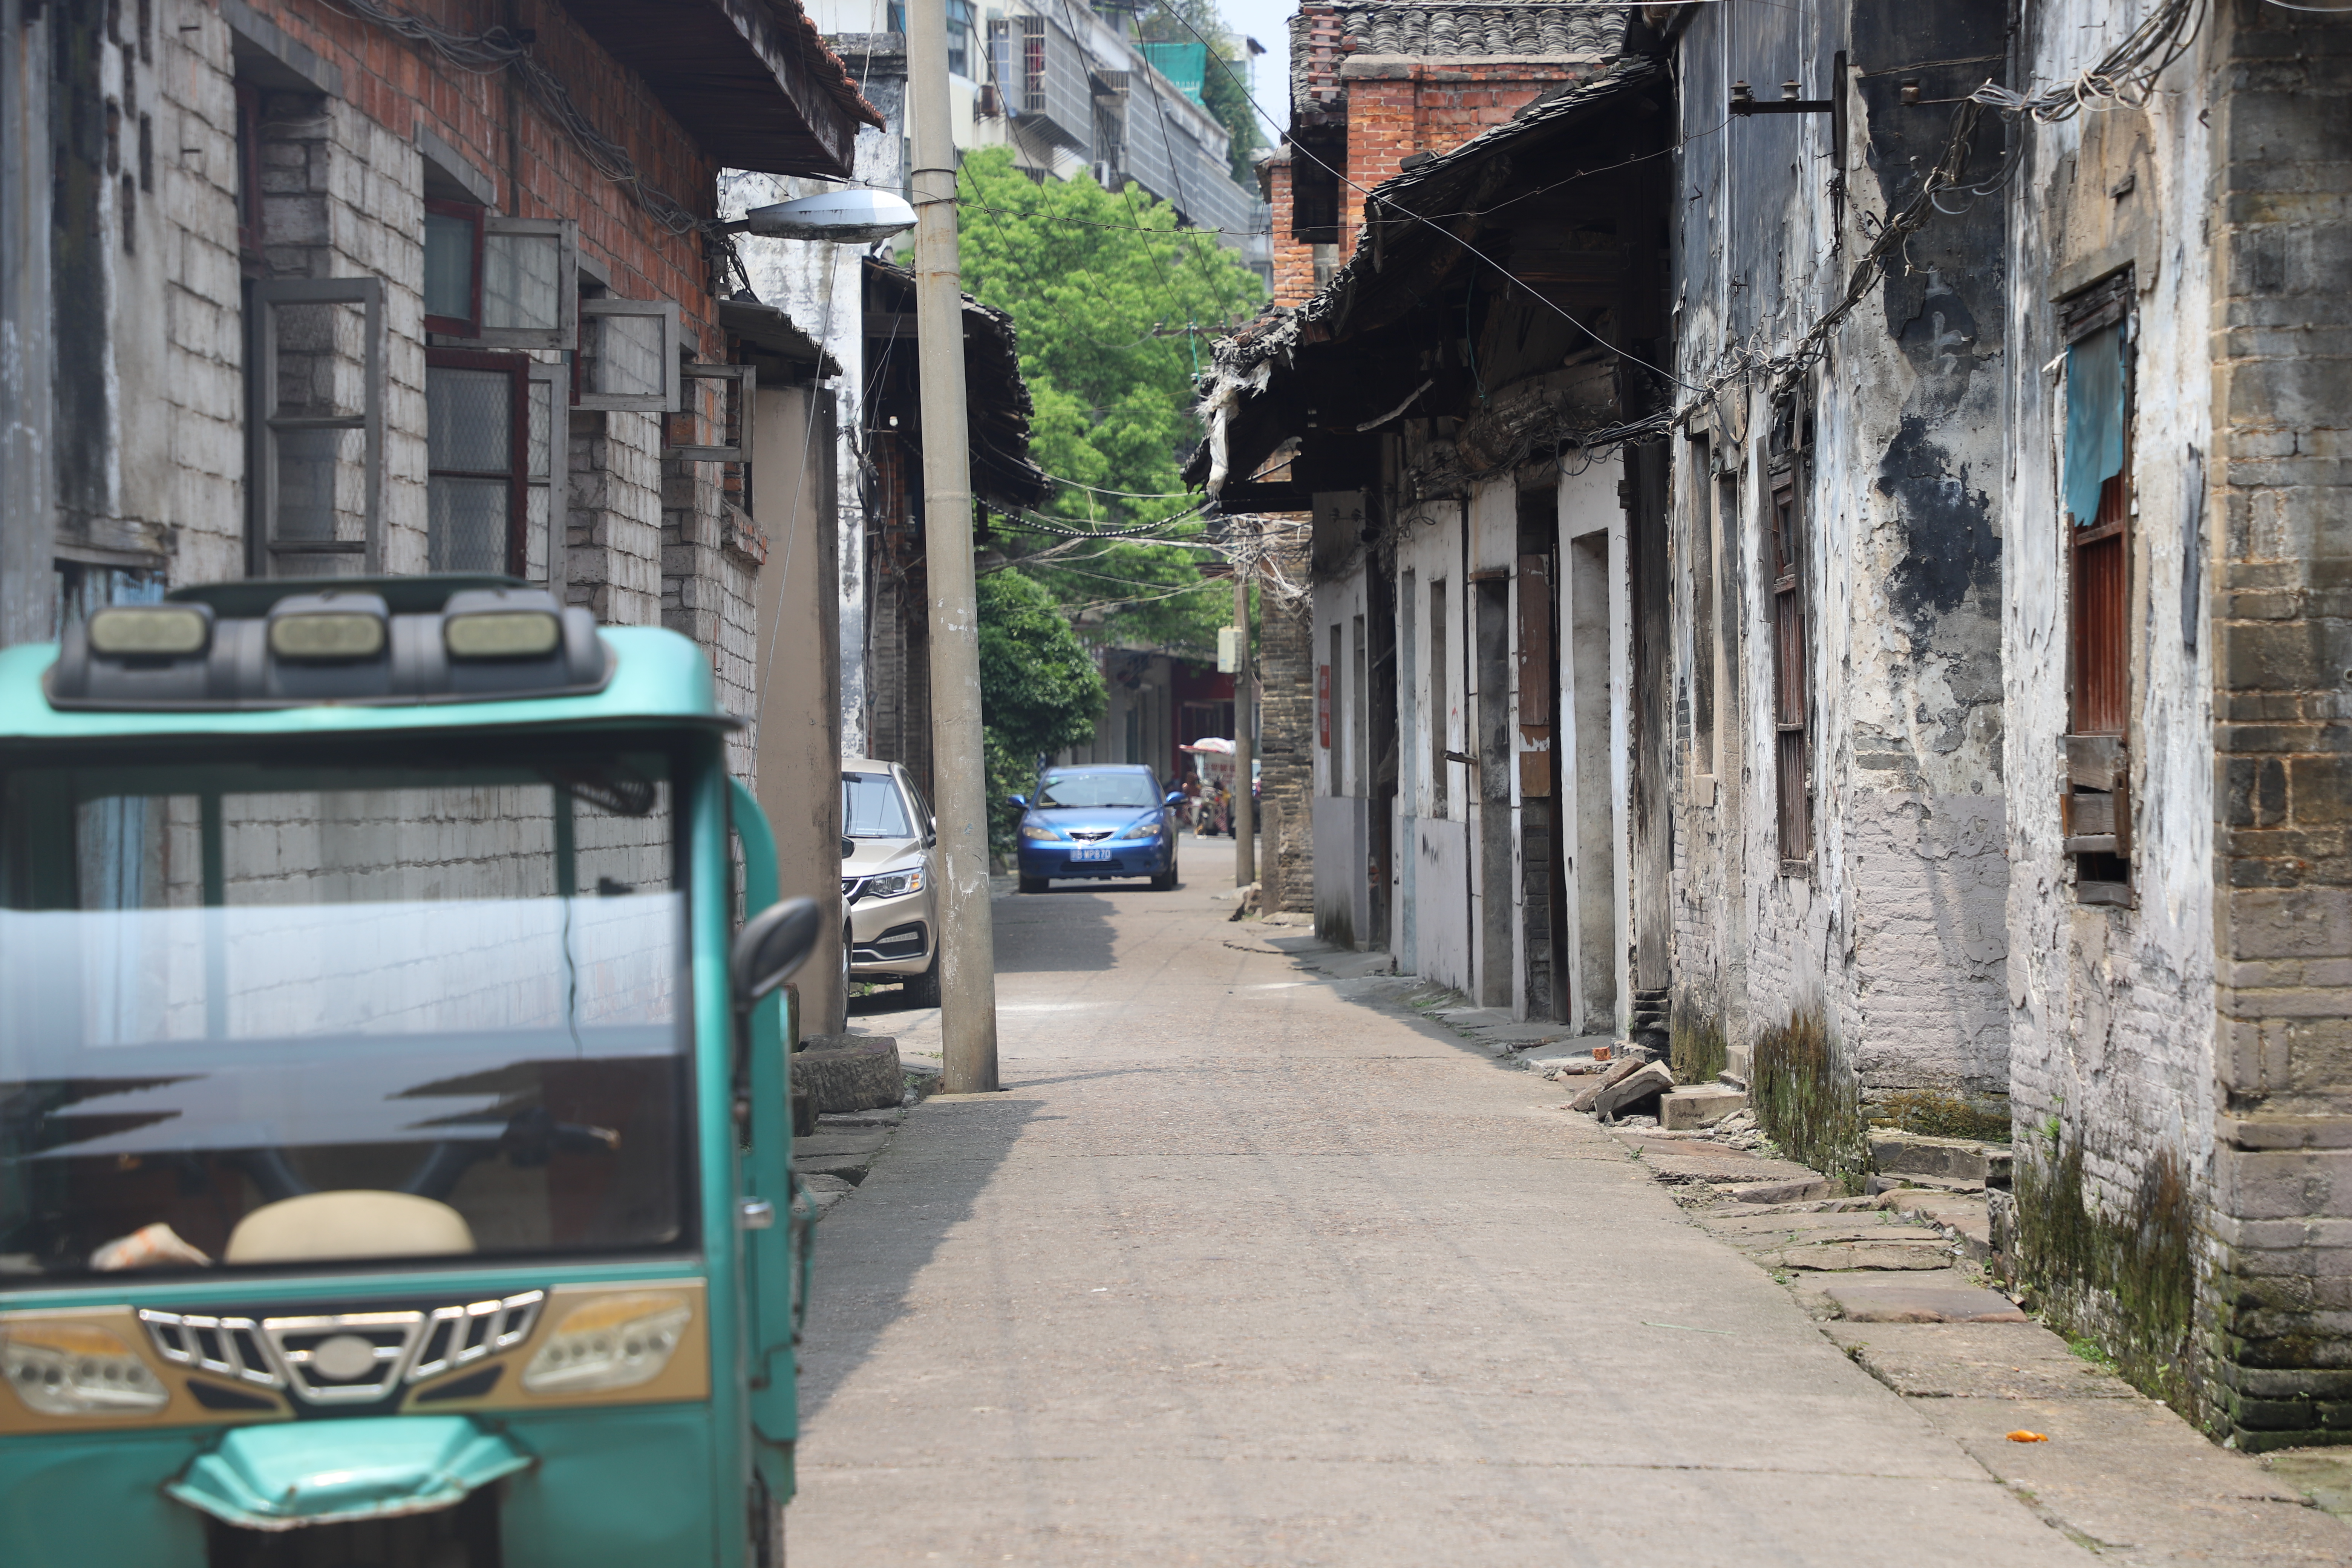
(895, 885)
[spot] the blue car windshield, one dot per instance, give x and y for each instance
(1133, 790)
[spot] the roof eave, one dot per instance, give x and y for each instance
(751, 94)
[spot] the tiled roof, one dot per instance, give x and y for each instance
(1508, 30)
(824, 66)
(1322, 36)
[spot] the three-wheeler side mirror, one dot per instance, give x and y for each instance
(1020, 800)
(1173, 797)
(771, 949)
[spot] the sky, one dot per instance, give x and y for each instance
(1267, 21)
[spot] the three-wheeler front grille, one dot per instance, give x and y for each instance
(344, 1358)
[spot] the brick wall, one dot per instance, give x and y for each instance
(203, 350)
(2283, 727)
(538, 172)
(1293, 260)
(614, 527)
(1398, 106)
(1287, 736)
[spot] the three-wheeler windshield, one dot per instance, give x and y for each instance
(308, 1008)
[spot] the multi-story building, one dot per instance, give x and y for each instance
(292, 288)
(1071, 93)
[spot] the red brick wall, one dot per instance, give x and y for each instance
(1395, 110)
(1293, 260)
(540, 173)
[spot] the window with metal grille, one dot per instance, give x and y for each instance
(1791, 669)
(493, 429)
(2094, 796)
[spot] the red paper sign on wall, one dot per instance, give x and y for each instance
(1323, 706)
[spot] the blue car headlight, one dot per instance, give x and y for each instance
(1039, 830)
(1147, 829)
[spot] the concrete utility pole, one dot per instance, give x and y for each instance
(967, 930)
(1244, 701)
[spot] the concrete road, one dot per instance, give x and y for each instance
(1240, 1270)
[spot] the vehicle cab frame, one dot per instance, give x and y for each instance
(420, 1307)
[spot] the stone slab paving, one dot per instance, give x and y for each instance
(1249, 1268)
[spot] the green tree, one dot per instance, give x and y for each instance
(1115, 307)
(1039, 688)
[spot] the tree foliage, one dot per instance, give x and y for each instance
(1115, 307)
(1039, 688)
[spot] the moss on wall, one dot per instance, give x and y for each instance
(1807, 1100)
(2125, 1282)
(1697, 1051)
(1940, 1115)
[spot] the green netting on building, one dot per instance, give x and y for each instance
(1183, 65)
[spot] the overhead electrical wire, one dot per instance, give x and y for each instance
(2126, 75)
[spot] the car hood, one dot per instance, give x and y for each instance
(872, 854)
(1114, 818)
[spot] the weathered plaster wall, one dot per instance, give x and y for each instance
(1894, 922)
(2112, 1007)
(818, 285)
(1435, 808)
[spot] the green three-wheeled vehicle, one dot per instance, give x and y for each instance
(395, 1139)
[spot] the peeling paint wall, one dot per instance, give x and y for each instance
(1892, 920)
(2201, 1025)
(2111, 1006)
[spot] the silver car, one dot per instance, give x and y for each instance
(887, 877)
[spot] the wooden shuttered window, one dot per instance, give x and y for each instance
(2095, 476)
(1784, 551)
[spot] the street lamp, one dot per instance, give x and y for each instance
(850, 216)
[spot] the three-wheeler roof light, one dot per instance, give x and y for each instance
(150, 631)
(358, 640)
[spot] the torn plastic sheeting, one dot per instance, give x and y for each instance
(2095, 419)
(285, 1478)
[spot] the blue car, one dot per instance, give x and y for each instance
(1098, 822)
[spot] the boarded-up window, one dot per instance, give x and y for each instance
(1784, 553)
(2095, 468)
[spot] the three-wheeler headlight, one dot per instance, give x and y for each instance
(78, 1369)
(612, 1342)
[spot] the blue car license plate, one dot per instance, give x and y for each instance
(1090, 854)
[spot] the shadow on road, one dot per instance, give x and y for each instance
(1066, 930)
(870, 1248)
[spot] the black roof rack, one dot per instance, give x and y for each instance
(425, 595)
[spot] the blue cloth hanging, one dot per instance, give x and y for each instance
(2095, 418)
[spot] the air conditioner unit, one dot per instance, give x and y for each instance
(1107, 176)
